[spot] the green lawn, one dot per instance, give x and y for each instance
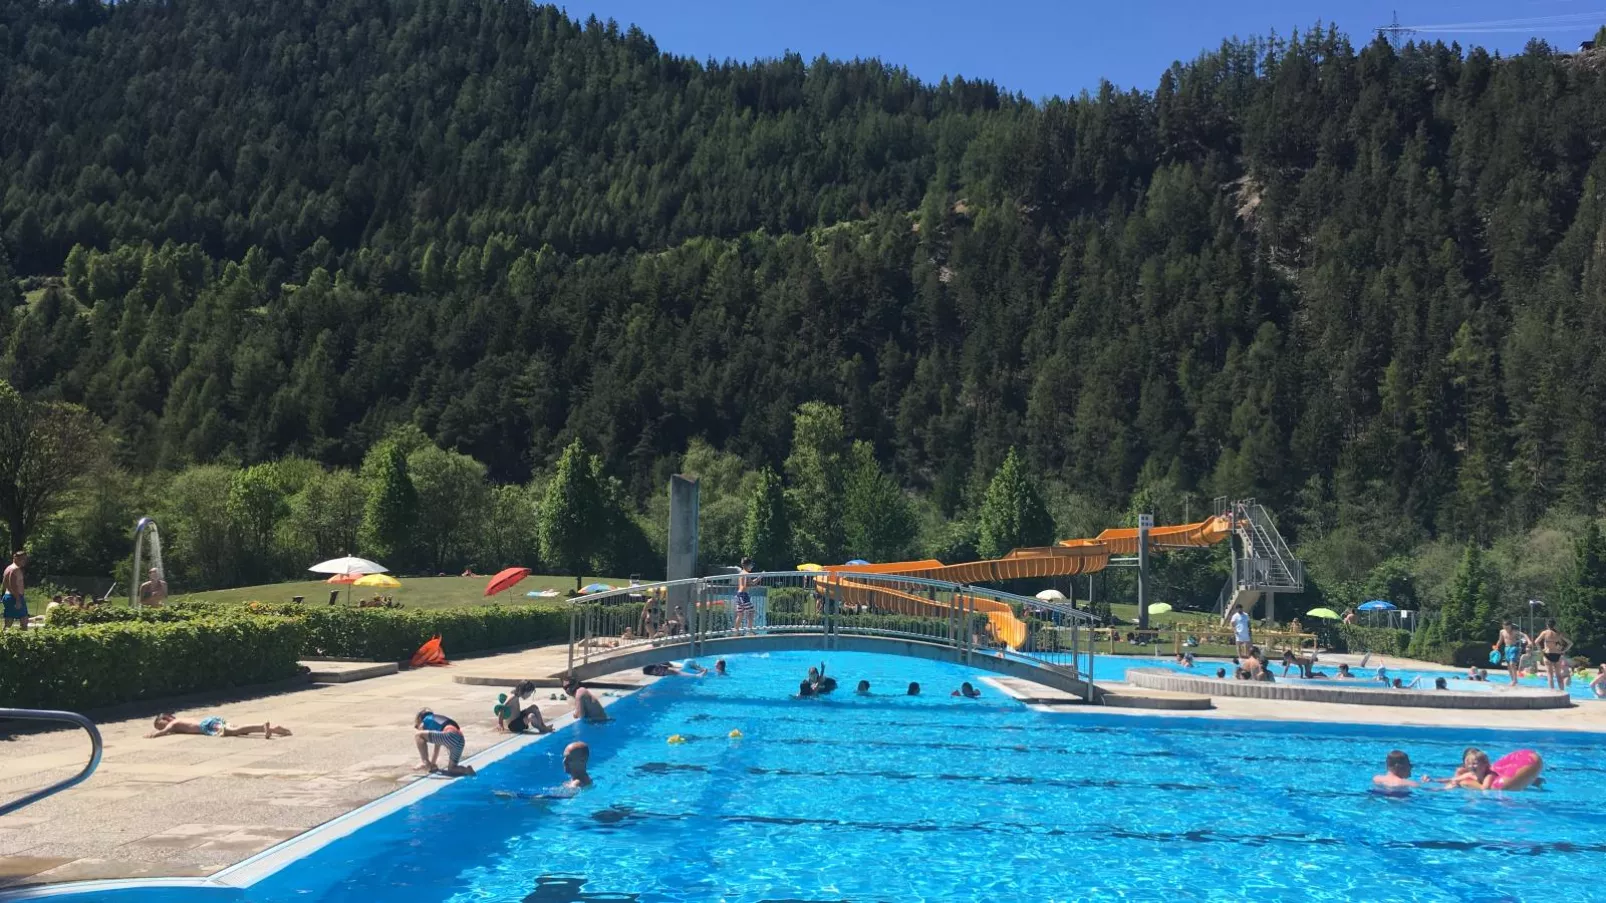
(415, 592)
(1129, 614)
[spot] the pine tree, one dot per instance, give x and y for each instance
(1013, 514)
(1581, 600)
(392, 506)
(767, 527)
(1469, 608)
(878, 522)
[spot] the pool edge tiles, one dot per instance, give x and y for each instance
(253, 869)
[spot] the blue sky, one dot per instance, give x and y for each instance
(1044, 47)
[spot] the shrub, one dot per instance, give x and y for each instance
(105, 664)
(1380, 640)
(394, 634)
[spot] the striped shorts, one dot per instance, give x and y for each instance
(452, 740)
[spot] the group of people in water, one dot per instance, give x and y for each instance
(818, 683)
(1517, 770)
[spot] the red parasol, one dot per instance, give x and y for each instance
(505, 580)
(343, 578)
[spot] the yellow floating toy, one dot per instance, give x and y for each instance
(736, 735)
(676, 738)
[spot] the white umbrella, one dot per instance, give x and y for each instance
(348, 565)
(1051, 595)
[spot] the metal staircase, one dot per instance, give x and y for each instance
(1262, 564)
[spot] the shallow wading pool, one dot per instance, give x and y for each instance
(892, 798)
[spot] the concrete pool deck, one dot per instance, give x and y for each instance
(189, 806)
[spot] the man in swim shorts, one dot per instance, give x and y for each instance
(1510, 644)
(576, 756)
(586, 705)
(1396, 771)
(212, 726)
(744, 601)
(433, 732)
(12, 598)
(1553, 644)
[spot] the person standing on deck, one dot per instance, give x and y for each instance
(1510, 644)
(11, 592)
(1554, 645)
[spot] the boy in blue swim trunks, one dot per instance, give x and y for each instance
(11, 595)
(213, 726)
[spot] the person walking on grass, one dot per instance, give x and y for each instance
(1554, 645)
(212, 726)
(11, 595)
(1239, 619)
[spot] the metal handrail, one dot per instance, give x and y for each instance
(834, 577)
(89, 768)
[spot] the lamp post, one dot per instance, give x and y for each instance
(1531, 605)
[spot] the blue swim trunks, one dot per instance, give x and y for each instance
(15, 606)
(212, 726)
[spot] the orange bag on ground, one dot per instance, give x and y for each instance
(429, 654)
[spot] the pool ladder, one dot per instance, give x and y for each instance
(73, 718)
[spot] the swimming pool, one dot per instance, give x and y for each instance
(1114, 667)
(892, 798)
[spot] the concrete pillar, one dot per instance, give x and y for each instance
(682, 557)
(1145, 521)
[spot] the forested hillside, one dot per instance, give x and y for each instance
(1365, 284)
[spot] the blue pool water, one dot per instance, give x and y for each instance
(892, 798)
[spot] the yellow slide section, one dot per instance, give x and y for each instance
(1066, 558)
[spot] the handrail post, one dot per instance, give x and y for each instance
(573, 616)
(95, 743)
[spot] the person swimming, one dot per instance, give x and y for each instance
(805, 689)
(914, 689)
(1221, 673)
(719, 669)
(1396, 771)
(1344, 673)
(967, 691)
(863, 689)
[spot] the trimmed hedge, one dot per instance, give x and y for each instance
(394, 634)
(179, 611)
(383, 634)
(105, 664)
(1379, 640)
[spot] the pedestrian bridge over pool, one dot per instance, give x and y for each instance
(630, 628)
(597, 661)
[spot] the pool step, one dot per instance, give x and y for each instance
(1159, 700)
(332, 672)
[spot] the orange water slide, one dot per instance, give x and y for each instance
(1066, 558)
